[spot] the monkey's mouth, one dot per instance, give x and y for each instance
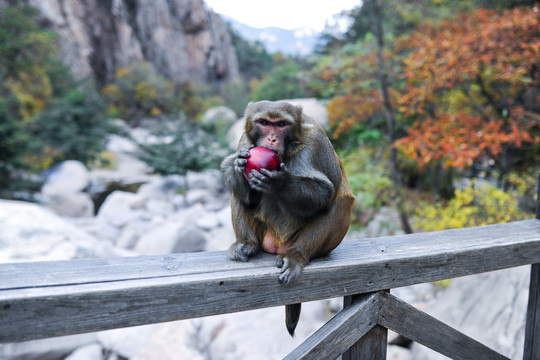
(277, 151)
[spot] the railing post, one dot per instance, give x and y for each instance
(532, 329)
(371, 346)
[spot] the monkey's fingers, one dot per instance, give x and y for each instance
(243, 153)
(241, 251)
(260, 182)
(240, 165)
(289, 271)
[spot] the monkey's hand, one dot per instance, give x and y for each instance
(268, 182)
(241, 161)
(289, 269)
(241, 251)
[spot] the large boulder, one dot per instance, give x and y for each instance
(218, 118)
(489, 307)
(31, 232)
(171, 237)
(64, 190)
(69, 177)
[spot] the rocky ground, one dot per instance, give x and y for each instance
(158, 215)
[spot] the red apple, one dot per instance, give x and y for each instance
(261, 158)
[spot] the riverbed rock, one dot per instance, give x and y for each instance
(489, 307)
(64, 190)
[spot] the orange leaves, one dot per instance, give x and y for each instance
(487, 57)
(344, 112)
(454, 52)
(457, 140)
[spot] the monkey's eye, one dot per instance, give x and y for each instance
(282, 124)
(263, 122)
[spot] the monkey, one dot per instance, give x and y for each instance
(300, 211)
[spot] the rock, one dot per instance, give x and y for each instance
(46, 349)
(69, 177)
(76, 205)
(208, 222)
(121, 208)
(235, 133)
(31, 232)
(126, 342)
(218, 118)
(219, 239)
(385, 223)
(207, 179)
(183, 40)
(163, 188)
(195, 196)
(171, 237)
(172, 341)
(87, 352)
(63, 190)
(489, 307)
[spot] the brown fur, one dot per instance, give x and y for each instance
(307, 212)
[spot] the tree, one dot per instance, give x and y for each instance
(466, 87)
(45, 116)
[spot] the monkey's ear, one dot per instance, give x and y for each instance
(298, 112)
(249, 108)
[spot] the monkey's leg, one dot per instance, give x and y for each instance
(317, 238)
(245, 227)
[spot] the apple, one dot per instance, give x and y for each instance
(261, 158)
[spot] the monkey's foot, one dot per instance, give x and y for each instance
(241, 251)
(289, 270)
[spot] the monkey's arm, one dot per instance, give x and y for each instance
(233, 174)
(304, 196)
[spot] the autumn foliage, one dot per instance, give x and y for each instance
(461, 90)
(465, 85)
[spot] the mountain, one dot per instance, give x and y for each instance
(300, 41)
(180, 38)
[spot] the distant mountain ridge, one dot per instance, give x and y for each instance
(300, 41)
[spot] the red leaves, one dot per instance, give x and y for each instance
(486, 57)
(457, 140)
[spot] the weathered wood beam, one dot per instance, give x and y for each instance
(341, 332)
(428, 331)
(46, 299)
(371, 346)
(531, 350)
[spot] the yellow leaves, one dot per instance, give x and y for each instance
(32, 88)
(474, 205)
(122, 72)
(144, 92)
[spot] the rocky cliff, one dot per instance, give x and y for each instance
(181, 38)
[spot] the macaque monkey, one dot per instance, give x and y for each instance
(300, 211)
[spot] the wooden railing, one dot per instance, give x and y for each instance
(46, 299)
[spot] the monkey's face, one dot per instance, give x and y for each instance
(273, 133)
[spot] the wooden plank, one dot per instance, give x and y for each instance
(371, 346)
(531, 350)
(67, 297)
(426, 330)
(342, 331)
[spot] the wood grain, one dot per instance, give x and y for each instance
(341, 332)
(428, 331)
(45, 299)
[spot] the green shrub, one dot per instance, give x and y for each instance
(181, 146)
(138, 91)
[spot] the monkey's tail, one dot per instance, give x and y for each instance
(292, 315)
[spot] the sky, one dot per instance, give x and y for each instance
(286, 14)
